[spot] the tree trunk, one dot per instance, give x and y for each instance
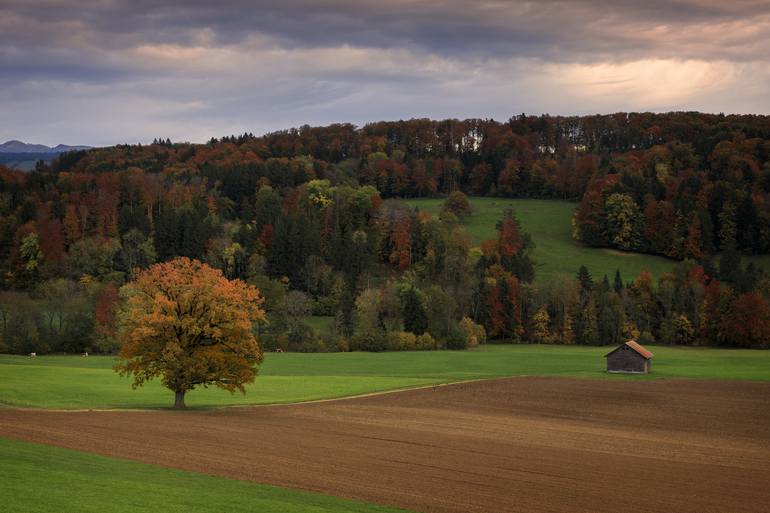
(179, 399)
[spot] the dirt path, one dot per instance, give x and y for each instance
(521, 444)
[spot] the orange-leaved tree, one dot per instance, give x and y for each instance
(184, 322)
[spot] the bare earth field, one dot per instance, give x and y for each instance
(519, 444)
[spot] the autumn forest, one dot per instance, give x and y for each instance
(313, 218)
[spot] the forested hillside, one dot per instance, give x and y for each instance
(679, 184)
(308, 216)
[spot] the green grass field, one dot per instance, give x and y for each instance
(37, 478)
(77, 382)
(549, 222)
(320, 323)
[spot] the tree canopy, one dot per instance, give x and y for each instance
(316, 210)
(184, 322)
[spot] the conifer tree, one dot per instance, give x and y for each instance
(415, 316)
(618, 284)
(585, 280)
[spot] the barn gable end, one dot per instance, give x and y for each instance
(631, 358)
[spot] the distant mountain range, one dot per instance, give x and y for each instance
(24, 157)
(22, 147)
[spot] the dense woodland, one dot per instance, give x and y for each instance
(312, 218)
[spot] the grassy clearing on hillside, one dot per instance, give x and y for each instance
(39, 478)
(549, 222)
(319, 323)
(77, 382)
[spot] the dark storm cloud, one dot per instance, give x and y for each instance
(190, 66)
(557, 30)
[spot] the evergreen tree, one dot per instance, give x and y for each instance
(618, 284)
(610, 318)
(346, 316)
(585, 280)
(130, 218)
(730, 264)
(167, 234)
(415, 316)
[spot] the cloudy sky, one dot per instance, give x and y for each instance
(112, 71)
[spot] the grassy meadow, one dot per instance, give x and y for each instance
(549, 222)
(77, 481)
(77, 382)
(319, 323)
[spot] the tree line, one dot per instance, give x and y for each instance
(681, 184)
(311, 217)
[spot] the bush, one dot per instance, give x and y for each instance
(475, 334)
(273, 341)
(456, 338)
(425, 342)
(339, 344)
(685, 333)
(310, 345)
(402, 340)
(299, 334)
(325, 305)
(646, 338)
(104, 344)
(456, 204)
(630, 331)
(369, 341)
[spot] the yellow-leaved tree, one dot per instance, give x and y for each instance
(184, 322)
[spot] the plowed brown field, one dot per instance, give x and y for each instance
(521, 444)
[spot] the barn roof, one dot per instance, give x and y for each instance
(639, 348)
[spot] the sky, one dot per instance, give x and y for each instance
(104, 72)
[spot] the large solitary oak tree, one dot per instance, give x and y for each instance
(185, 322)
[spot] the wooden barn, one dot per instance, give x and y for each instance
(629, 358)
